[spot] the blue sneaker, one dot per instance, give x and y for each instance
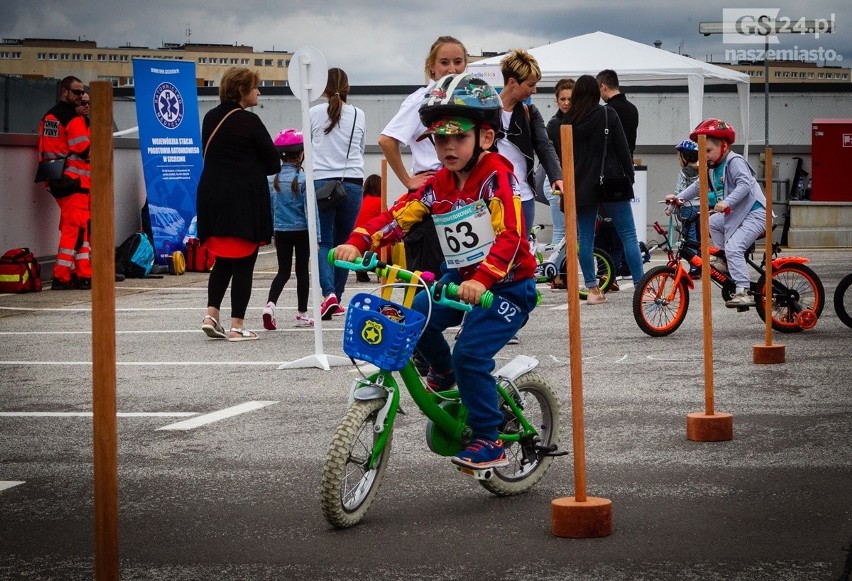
(440, 381)
(481, 453)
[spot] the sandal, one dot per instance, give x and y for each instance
(242, 335)
(214, 331)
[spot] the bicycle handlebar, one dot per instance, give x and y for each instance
(441, 293)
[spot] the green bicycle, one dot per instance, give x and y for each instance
(384, 333)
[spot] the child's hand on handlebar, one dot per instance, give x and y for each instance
(470, 291)
(672, 201)
(346, 252)
(722, 208)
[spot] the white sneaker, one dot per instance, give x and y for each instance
(303, 320)
(269, 322)
(741, 299)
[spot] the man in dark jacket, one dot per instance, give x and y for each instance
(629, 117)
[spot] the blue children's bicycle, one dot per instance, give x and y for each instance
(383, 332)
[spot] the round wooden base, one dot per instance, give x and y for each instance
(701, 427)
(581, 520)
(768, 354)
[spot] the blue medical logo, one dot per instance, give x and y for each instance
(168, 105)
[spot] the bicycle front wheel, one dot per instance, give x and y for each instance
(605, 272)
(541, 408)
(795, 288)
(843, 300)
(660, 305)
(349, 485)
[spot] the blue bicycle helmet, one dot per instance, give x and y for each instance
(687, 145)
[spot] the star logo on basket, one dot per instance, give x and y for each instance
(372, 332)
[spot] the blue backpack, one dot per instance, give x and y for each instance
(135, 257)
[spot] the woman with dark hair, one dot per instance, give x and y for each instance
(234, 212)
(338, 132)
(590, 120)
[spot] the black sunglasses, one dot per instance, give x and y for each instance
(78, 92)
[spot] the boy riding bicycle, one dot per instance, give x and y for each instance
(475, 202)
(741, 217)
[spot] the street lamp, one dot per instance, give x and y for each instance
(766, 26)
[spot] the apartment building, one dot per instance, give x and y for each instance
(44, 58)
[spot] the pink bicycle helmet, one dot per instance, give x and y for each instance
(290, 141)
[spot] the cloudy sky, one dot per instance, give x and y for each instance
(384, 42)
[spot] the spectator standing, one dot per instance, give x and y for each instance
(234, 212)
(64, 139)
(562, 93)
(422, 249)
(290, 210)
(589, 123)
(371, 206)
(523, 134)
(338, 132)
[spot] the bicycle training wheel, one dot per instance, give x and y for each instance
(541, 408)
(843, 300)
(795, 288)
(605, 272)
(659, 305)
(349, 486)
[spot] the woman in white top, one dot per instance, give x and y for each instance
(338, 132)
(447, 55)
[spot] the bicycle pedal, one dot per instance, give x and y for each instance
(742, 309)
(552, 450)
(481, 474)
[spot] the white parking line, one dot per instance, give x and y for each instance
(4, 484)
(89, 414)
(219, 415)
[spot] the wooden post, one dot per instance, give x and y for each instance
(709, 426)
(103, 335)
(580, 516)
(768, 353)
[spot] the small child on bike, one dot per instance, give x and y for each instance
(475, 201)
(740, 205)
(687, 156)
(289, 206)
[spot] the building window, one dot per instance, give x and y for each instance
(267, 62)
(124, 58)
(810, 75)
(4, 55)
(16, 55)
(235, 61)
(258, 62)
(53, 56)
(76, 56)
(209, 84)
(42, 56)
(64, 56)
(202, 60)
(102, 58)
(244, 61)
(87, 57)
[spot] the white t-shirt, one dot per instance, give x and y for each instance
(329, 151)
(511, 152)
(406, 127)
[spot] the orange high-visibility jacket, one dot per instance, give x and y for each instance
(63, 133)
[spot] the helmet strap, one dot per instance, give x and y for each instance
(477, 151)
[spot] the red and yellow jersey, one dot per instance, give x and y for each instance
(64, 133)
(491, 180)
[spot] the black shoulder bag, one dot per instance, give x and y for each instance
(614, 188)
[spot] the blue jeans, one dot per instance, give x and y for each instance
(335, 226)
(485, 332)
(528, 210)
(622, 219)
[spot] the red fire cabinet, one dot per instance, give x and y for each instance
(831, 158)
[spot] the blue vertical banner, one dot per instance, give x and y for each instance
(170, 144)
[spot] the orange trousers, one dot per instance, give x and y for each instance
(74, 249)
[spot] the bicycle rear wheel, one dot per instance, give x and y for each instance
(541, 408)
(349, 486)
(843, 300)
(795, 288)
(660, 305)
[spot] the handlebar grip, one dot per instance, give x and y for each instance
(484, 301)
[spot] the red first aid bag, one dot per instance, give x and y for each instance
(198, 257)
(20, 272)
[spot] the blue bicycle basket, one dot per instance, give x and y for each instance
(372, 334)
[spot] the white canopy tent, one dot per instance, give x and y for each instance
(636, 64)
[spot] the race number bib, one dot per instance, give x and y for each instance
(466, 234)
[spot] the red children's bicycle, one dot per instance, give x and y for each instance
(661, 298)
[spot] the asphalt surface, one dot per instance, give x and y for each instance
(238, 498)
